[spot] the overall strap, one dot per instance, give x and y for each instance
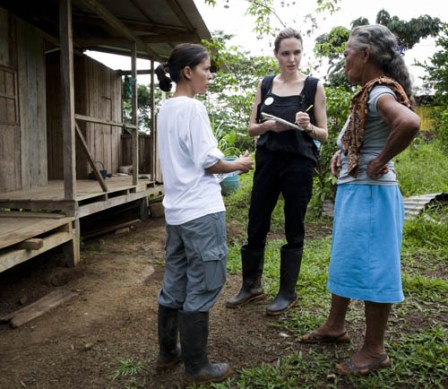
(266, 86)
(309, 90)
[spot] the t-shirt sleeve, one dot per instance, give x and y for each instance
(378, 92)
(203, 144)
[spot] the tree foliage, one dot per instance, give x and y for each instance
(264, 12)
(437, 69)
(331, 45)
(409, 33)
(144, 103)
(232, 92)
(338, 103)
(437, 78)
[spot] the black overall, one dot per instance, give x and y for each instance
(284, 164)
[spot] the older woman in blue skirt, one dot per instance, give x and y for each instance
(369, 214)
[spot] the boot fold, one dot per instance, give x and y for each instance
(286, 298)
(252, 263)
(169, 351)
(194, 337)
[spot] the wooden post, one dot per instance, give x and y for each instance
(134, 115)
(67, 98)
(72, 249)
(153, 129)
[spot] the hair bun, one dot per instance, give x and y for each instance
(165, 82)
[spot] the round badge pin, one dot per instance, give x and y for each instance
(269, 100)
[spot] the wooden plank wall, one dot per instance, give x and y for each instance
(23, 128)
(97, 94)
(10, 167)
(32, 102)
(144, 152)
(103, 96)
(54, 123)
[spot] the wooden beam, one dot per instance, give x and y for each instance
(31, 244)
(139, 72)
(109, 228)
(67, 98)
(177, 9)
(91, 119)
(41, 215)
(153, 147)
(38, 308)
(144, 36)
(103, 121)
(174, 5)
(169, 38)
(68, 206)
(98, 176)
(115, 23)
(154, 28)
(117, 51)
(94, 42)
(134, 116)
(148, 25)
(10, 258)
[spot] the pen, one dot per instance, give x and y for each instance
(311, 106)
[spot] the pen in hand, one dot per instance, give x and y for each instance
(311, 106)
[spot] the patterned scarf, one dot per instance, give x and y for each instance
(354, 134)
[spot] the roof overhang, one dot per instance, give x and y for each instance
(115, 26)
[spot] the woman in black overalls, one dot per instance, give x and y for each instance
(285, 160)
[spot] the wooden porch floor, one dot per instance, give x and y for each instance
(90, 198)
(36, 220)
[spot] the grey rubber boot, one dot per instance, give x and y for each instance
(169, 352)
(194, 337)
(286, 298)
(252, 263)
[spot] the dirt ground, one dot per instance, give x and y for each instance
(113, 318)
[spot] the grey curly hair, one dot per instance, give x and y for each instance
(383, 48)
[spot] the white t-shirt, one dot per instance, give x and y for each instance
(187, 147)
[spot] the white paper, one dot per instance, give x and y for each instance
(280, 120)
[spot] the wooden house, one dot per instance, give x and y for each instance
(61, 121)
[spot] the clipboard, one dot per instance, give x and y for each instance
(267, 116)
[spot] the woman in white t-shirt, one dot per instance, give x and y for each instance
(196, 249)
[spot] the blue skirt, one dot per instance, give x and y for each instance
(366, 245)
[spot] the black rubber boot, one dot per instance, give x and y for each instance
(286, 298)
(169, 352)
(194, 337)
(252, 262)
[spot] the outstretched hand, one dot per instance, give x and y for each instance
(244, 162)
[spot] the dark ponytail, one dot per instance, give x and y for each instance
(165, 82)
(184, 54)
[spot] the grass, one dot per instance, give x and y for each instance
(131, 373)
(421, 168)
(417, 335)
